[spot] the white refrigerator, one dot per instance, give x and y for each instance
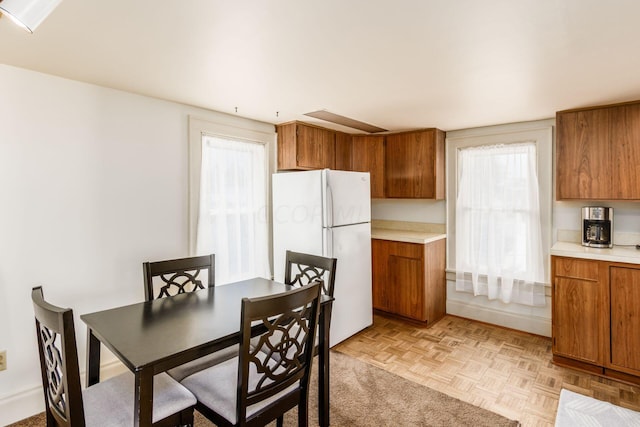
(328, 213)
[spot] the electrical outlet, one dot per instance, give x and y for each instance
(3, 360)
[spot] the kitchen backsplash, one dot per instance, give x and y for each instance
(619, 237)
(426, 227)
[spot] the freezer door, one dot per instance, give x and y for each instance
(347, 198)
(352, 308)
(297, 216)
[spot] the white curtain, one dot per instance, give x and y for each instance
(498, 234)
(232, 220)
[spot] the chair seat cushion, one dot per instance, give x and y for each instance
(181, 372)
(216, 388)
(110, 403)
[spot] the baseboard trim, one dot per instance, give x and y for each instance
(29, 402)
(527, 323)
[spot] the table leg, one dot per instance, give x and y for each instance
(143, 398)
(93, 359)
(323, 365)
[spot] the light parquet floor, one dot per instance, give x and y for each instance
(502, 370)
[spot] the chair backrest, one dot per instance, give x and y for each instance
(178, 276)
(58, 362)
(280, 357)
(302, 269)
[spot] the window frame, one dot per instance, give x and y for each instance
(541, 132)
(238, 129)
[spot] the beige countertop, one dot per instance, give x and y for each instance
(629, 255)
(407, 236)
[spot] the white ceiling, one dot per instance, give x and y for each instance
(401, 64)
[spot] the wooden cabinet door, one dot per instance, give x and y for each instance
(379, 257)
(406, 296)
(435, 287)
(305, 147)
(398, 276)
(286, 146)
(577, 318)
(625, 149)
(414, 165)
(343, 151)
(625, 319)
(315, 147)
(583, 159)
(367, 155)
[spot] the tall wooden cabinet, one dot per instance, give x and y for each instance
(409, 279)
(367, 155)
(598, 153)
(596, 316)
(303, 147)
(415, 164)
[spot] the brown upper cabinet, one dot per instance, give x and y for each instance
(367, 155)
(598, 153)
(343, 151)
(402, 165)
(303, 147)
(414, 165)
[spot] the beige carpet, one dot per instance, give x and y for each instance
(364, 395)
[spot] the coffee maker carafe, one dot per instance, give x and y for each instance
(597, 227)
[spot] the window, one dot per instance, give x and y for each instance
(499, 213)
(229, 200)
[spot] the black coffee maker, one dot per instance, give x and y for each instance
(597, 227)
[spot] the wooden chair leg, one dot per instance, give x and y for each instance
(303, 413)
(186, 417)
(280, 421)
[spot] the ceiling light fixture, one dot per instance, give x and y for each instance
(28, 14)
(344, 121)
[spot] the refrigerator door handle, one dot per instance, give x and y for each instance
(329, 207)
(328, 201)
(327, 242)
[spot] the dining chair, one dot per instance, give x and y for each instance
(172, 277)
(255, 387)
(107, 403)
(177, 276)
(302, 269)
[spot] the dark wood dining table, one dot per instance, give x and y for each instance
(154, 336)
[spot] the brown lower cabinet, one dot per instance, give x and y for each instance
(409, 279)
(596, 316)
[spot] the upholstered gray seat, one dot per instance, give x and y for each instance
(222, 397)
(181, 372)
(110, 403)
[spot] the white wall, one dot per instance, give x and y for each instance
(626, 215)
(93, 182)
(418, 210)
